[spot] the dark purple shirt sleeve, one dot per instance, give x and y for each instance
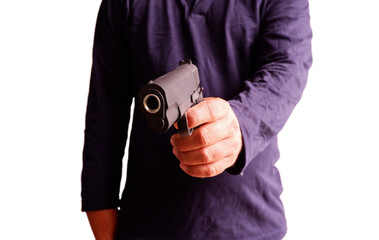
(283, 60)
(108, 112)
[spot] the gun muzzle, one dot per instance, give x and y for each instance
(151, 103)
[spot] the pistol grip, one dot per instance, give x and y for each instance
(183, 126)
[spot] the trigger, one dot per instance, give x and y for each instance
(183, 126)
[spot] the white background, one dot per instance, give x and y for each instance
(329, 148)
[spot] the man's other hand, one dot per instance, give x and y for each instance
(215, 143)
(103, 223)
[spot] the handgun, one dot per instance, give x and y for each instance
(166, 99)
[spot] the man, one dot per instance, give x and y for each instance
(221, 182)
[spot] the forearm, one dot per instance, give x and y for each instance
(103, 223)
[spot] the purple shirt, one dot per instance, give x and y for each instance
(255, 54)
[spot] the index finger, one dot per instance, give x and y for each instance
(209, 110)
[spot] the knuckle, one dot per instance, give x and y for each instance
(176, 153)
(234, 140)
(219, 108)
(234, 125)
(205, 155)
(225, 104)
(211, 171)
(231, 130)
(215, 108)
(210, 109)
(204, 137)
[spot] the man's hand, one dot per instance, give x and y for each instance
(103, 223)
(216, 142)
